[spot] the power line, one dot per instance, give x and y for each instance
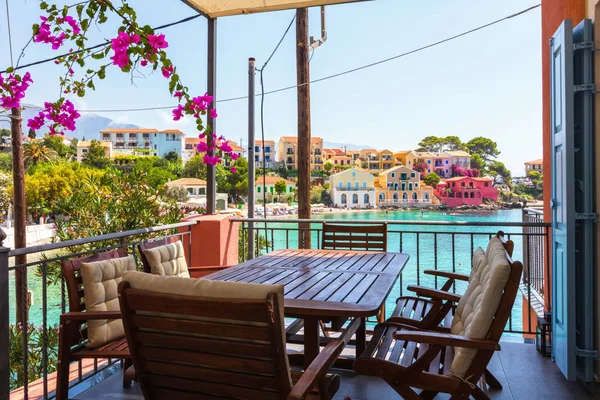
(47, 60)
(9, 35)
(346, 72)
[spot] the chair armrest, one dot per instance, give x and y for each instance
(399, 322)
(445, 274)
(316, 370)
(434, 293)
(445, 339)
(90, 315)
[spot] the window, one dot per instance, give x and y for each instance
(190, 191)
(258, 189)
(462, 184)
(410, 186)
(364, 185)
(336, 161)
(414, 195)
(344, 199)
(354, 198)
(428, 161)
(403, 186)
(446, 171)
(349, 185)
(409, 163)
(84, 150)
(381, 196)
(393, 174)
(356, 185)
(446, 163)
(256, 158)
(486, 184)
(416, 184)
(413, 174)
(256, 149)
(291, 189)
(366, 199)
(395, 197)
(354, 174)
(340, 185)
(268, 149)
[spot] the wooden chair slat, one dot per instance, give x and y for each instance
(227, 363)
(214, 345)
(244, 311)
(219, 329)
(448, 358)
(398, 351)
(353, 237)
(210, 388)
(409, 354)
(336, 245)
(210, 374)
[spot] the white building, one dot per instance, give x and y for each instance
(269, 152)
(194, 186)
(268, 186)
(83, 146)
(459, 158)
(353, 188)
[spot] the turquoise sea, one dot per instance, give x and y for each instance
(429, 247)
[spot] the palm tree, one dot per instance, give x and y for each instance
(34, 153)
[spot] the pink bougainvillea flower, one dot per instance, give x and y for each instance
(226, 147)
(178, 94)
(143, 63)
(157, 42)
(167, 71)
(233, 170)
(72, 23)
(213, 113)
(178, 112)
(120, 44)
(234, 156)
(208, 160)
(202, 147)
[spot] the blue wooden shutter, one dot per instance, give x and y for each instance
(563, 200)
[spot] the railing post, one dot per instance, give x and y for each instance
(4, 345)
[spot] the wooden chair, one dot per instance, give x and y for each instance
(195, 271)
(406, 357)
(353, 237)
(73, 326)
(433, 309)
(371, 237)
(189, 347)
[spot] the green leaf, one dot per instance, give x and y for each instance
(90, 84)
(65, 11)
(81, 92)
(43, 5)
(79, 9)
(97, 56)
(9, 70)
(36, 29)
(102, 72)
(85, 23)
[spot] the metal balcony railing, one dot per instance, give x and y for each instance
(439, 245)
(50, 301)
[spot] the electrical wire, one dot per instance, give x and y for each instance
(262, 114)
(47, 60)
(12, 63)
(346, 72)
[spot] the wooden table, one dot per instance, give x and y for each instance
(323, 285)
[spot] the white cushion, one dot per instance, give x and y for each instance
(168, 260)
(478, 306)
(478, 261)
(208, 288)
(100, 282)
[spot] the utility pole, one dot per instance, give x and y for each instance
(303, 154)
(19, 214)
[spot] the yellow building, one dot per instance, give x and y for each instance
(386, 160)
(401, 185)
(287, 152)
(369, 159)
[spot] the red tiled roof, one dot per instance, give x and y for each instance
(271, 180)
(177, 131)
(538, 161)
(136, 130)
(295, 139)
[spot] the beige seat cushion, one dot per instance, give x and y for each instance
(478, 261)
(100, 282)
(208, 288)
(478, 306)
(168, 260)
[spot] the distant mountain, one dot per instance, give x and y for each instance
(88, 125)
(348, 146)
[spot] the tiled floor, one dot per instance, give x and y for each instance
(519, 368)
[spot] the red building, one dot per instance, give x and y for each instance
(465, 190)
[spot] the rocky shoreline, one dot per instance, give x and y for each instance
(441, 207)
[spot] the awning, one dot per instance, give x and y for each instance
(224, 8)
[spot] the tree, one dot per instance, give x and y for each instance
(31, 134)
(5, 162)
(34, 153)
(56, 143)
(432, 179)
(172, 156)
(536, 177)
(478, 164)
(328, 166)
(194, 168)
(233, 183)
(5, 197)
(500, 173)
(96, 156)
(4, 135)
(436, 144)
(280, 187)
(485, 147)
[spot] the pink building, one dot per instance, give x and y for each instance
(465, 190)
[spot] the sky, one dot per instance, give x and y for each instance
(487, 83)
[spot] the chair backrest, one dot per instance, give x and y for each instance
(354, 237)
(151, 245)
(204, 347)
(484, 309)
(71, 271)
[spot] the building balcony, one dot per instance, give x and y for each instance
(354, 189)
(516, 366)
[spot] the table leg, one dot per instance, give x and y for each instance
(361, 337)
(311, 340)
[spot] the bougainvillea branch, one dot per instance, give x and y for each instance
(133, 47)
